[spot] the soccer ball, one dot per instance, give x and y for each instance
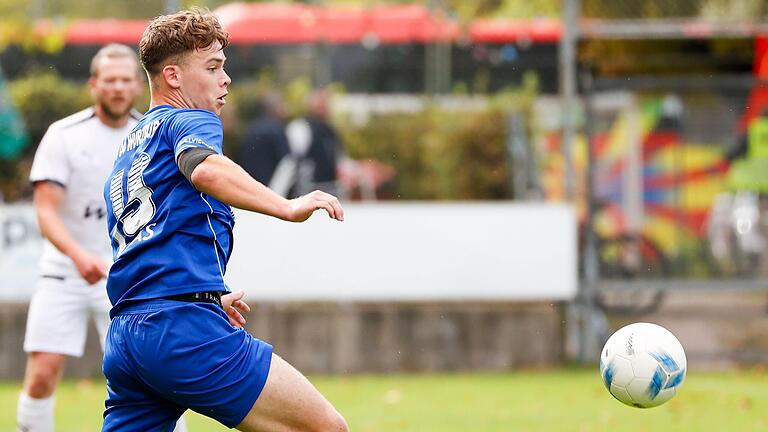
(643, 365)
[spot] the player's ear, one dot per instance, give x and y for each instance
(171, 76)
(92, 85)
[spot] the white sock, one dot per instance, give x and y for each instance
(181, 425)
(34, 415)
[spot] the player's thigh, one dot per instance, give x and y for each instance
(45, 365)
(188, 354)
(135, 408)
(131, 404)
(57, 320)
(290, 402)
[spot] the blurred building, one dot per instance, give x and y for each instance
(382, 49)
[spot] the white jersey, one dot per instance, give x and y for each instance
(78, 152)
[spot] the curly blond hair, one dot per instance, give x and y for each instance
(168, 38)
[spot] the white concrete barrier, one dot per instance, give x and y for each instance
(20, 249)
(383, 251)
(410, 251)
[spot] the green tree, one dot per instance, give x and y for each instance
(13, 135)
(41, 98)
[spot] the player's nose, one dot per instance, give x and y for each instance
(226, 81)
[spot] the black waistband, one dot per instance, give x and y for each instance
(207, 297)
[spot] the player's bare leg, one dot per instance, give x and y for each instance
(35, 409)
(289, 402)
(43, 374)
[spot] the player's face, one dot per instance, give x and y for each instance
(116, 86)
(203, 80)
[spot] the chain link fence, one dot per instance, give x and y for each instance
(667, 91)
(645, 10)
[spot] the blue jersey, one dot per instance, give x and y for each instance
(167, 237)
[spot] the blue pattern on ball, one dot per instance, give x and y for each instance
(667, 375)
(676, 379)
(608, 373)
(667, 362)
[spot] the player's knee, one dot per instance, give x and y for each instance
(41, 384)
(341, 424)
(334, 422)
(42, 375)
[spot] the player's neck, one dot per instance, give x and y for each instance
(112, 121)
(173, 99)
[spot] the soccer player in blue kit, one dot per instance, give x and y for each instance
(175, 341)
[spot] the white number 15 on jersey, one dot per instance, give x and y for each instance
(132, 216)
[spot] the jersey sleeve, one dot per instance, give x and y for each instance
(197, 128)
(51, 162)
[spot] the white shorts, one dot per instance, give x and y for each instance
(57, 321)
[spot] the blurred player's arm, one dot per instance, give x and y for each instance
(223, 179)
(48, 197)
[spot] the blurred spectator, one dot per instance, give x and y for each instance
(326, 149)
(265, 144)
(320, 161)
(748, 178)
(315, 151)
(306, 154)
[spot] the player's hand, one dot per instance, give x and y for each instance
(234, 306)
(90, 266)
(301, 208)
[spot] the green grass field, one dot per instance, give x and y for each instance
(551, 401)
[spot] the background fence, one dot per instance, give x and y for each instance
(659, 92)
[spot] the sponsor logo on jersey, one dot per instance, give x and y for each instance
(193, 140)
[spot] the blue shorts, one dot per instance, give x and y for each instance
(164, 356)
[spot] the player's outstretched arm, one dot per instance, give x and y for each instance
(223, 179)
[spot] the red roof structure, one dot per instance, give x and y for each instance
(296, 23)
(292, 23)
(105, 31)
(502, 31)
(268, 22)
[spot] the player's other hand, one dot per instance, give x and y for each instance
(90, 266)
(234, 306)
(301, 208)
